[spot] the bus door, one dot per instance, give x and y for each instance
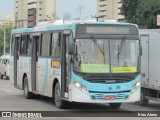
(35, 54)
(66, 66)
(16, 60)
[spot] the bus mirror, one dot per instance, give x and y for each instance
(141, 51)
(71, 50)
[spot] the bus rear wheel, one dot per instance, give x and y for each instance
(115, 105)
(26, 93)
(59, 103)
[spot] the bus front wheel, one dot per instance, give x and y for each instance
(115, 105)
(26, 93)
(59, 103)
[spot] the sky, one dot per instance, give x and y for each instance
(63, 6)
(70, 7)
(6, 7)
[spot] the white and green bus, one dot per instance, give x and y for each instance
(83, 61)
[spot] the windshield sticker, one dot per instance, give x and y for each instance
(95, 68)
(124, 69)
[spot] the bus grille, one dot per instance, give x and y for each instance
(102, 96)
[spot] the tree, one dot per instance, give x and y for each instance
(8, 33)
(141, 12)
(129, 8)
(147, 13)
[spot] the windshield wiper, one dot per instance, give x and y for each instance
(100, 48)
(120, 47)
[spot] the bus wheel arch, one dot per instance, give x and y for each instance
(56, 87)
(24, 75)
(53, 86)
(27, 94)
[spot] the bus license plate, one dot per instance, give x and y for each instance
(110, 97)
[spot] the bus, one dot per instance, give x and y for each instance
(78, 61)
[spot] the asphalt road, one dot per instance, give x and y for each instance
(11, 99)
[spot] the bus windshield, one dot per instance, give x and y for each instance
(106, 55)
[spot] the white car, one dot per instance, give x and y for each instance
(4, 66)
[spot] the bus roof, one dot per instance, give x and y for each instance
(61, 25)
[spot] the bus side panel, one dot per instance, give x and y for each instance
(24, 65)
(28, 71)
(41, 75)
(54, 73)
(46, 76)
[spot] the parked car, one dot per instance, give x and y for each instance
(4, 66)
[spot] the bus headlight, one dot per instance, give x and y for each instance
(82, 87)
(78, 85)
(135, 86)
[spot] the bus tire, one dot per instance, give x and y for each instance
(59, 103)
(143, 101)
(115, 105)
(26, 93)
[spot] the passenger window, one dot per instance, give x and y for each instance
(23, 45)
(45, 44)
(56, 45)
(29, 45)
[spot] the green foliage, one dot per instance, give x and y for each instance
(141, 12)
(129, 8)
(8, 33)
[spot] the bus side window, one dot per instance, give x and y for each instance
(23, 45)
(29, 45)
(45, 45)
(56, 45)
(18, 39)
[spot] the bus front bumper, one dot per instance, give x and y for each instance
(80, 96)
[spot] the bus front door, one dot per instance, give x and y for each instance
(35, 54)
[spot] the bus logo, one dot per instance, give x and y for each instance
(118, 87)
(110, 88)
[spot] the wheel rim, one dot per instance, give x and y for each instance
(57, 95)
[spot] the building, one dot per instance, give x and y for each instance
(20, 13)
(8, 20)
(109, 10)
(34, 11)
